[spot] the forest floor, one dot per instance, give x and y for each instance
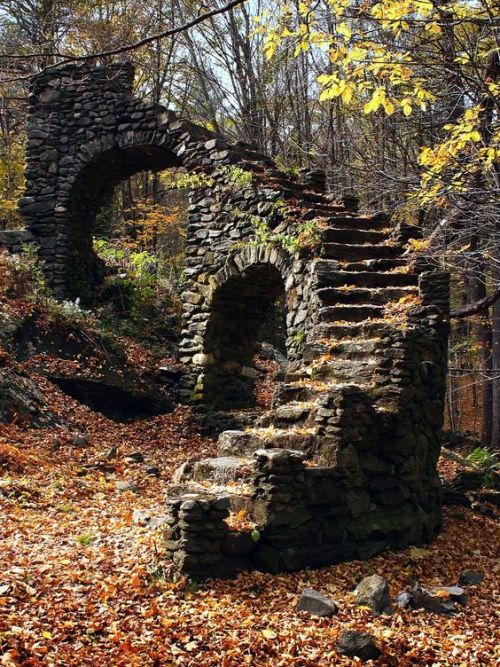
(84, 582)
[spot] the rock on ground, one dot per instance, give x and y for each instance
(373, 592)
(353, 643)
(316, 603)
(21, 400)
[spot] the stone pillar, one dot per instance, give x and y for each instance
(196, 533)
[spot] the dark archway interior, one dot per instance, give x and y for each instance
(90, 193)
(244, 311)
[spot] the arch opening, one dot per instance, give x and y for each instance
(246, 312)
(91, 192)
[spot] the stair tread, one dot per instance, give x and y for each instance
(222, 469)
(329, 274)
(245, 443)
(332, 296)
(350, 312)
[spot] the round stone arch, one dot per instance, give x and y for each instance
(243, 294)
(88, 179)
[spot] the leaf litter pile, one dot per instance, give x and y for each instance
(82, 583)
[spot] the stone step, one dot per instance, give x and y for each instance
(346, 370)
(240, 496)
(349, 313)
(223, 469)
(356, 349)
(323, 210)
(339, 372)
(245, 443)
(347, 251)
(330, 296)
(374, 264)
(291, 190)
(328, 277)
(353, 236)
(370, 329)
(284, 415)
(366, 222)
(286, 393)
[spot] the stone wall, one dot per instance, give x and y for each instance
(344, 465)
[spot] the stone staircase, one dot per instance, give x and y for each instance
(359, 269)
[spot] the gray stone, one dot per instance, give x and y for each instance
(135, 457)
(316, 603)
(355, 644)
(471, 578)
(373, 592)
(80, 441)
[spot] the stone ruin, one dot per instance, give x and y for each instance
(344, 464)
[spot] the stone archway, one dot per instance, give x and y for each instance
(91, 190)
(238, 310)
(226, 320)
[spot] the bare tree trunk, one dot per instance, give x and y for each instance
(495, 367)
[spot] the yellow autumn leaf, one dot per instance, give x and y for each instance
(388, 107)
(344, 30)
(269, 634)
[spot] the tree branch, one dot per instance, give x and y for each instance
(477, 307)
(128, 47)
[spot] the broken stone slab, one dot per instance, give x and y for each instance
(373, 592)
(316, 603)
(490, 496)
(420, 598)
(455, 593)
(353, 643)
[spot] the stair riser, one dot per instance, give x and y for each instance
(353, 252)
(327, 373)
(365, 279)
(361, 330)
(349, 313)
(347, 351)
(368, 224)
(293, 393)
(353, 236)
(285, 440)
(373, 265)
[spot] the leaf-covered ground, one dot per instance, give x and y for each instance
(82, 584)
